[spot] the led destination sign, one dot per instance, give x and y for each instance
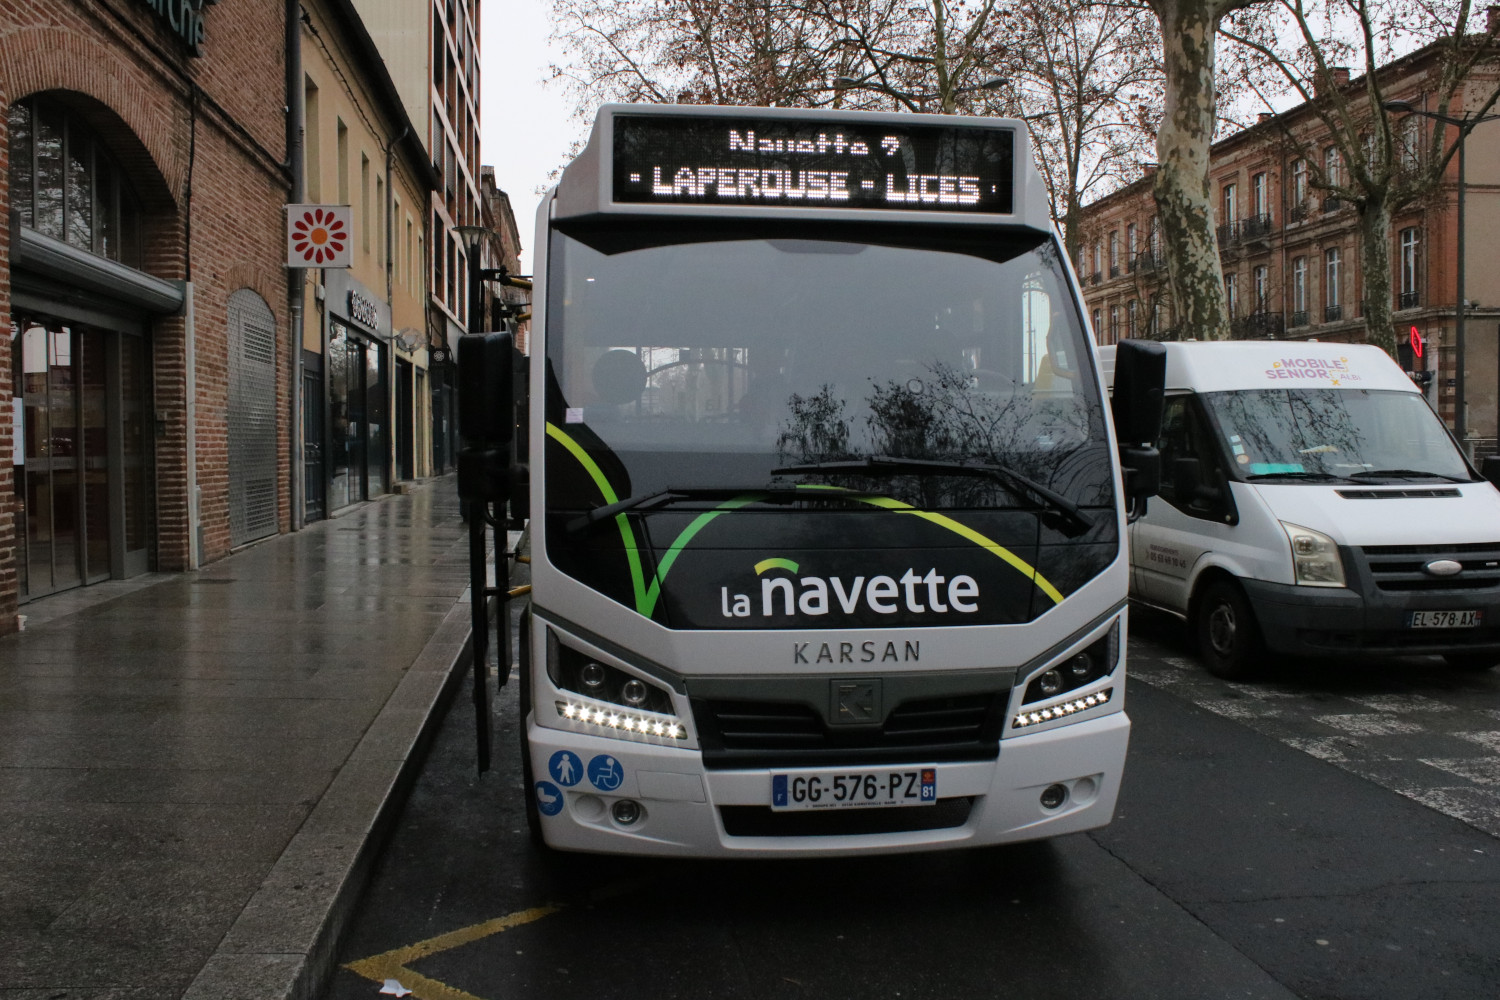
(685, 160)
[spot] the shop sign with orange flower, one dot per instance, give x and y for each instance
(319, 236)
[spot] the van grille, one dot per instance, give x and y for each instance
(794, 734)
(1399, 567)
(1397, 494)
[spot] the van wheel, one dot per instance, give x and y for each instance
(1228, 638)
(1472, 661)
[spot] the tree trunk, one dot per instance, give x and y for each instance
(1375, 263)
(1184, 202)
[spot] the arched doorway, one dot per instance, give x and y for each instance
(81, 313)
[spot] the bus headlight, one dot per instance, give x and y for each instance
(1315, 557)
(602, 699)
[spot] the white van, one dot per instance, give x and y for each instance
(1313, 504)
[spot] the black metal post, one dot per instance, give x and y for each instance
(1460, 421)
(479, 577)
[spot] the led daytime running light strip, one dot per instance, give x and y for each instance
(1072, 707)
(665, 727)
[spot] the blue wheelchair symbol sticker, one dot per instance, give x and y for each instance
(606, 773)
(549, 798)
(566, 769)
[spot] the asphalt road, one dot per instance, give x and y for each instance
(1267, 843)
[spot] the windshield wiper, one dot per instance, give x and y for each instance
(1293, 475)
(881, 465)
(1404, 474)
(780, 494)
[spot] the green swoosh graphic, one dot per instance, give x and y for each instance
(637, 577)
(646, 597)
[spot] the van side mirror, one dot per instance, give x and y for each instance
(1490, 469)
(1140, 389)
(486, 415)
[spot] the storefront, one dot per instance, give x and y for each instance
(81, 373)
(357, 388)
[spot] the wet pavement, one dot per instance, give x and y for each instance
(195, 768)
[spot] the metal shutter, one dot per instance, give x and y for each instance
(252, 418)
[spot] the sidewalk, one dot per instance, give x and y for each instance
(192, 765)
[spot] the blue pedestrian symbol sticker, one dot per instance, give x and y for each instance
(606, 773)
(549, 798)
(566, 768)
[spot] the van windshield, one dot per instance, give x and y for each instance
(1367, 435)
(708, 364)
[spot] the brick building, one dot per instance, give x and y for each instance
(142, 283)
(1290, 252)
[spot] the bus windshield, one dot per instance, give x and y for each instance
(1308, 434)
(715, 363)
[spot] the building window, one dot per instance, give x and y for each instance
(1114, 324)
(1114, 253)
(1299, 181)
(1098, 321)
(1299, 291)
(1231, 294)
(1098, 259)
(1408, 143)
(1229, 205)
(1131, 323)
(1410, 244)
(66, 185)
(1332, 306)
(1262, 281)
(1260, 195)
(1131, 249)
(1333, 166)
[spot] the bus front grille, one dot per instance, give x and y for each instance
(754, 734)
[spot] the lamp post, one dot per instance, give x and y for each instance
(1465, 125)
(865, 83)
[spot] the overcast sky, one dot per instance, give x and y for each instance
(526, 127)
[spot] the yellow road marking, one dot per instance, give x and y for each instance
(394, 964)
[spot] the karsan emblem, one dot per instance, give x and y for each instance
(913, 592)
(853, 702)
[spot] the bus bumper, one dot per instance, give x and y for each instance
(685, 810)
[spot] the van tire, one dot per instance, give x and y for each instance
(1228, 637)
(1472, 661)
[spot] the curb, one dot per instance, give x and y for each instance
(284, 943)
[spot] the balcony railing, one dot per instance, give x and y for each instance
(1296, 213)
(1332, 204)
(1256, 226)
(1114, 270)
(1299, 318)
(1407, 300)
(1332, 314)
(1149, 260)
(1095, 278)
(1256, 326)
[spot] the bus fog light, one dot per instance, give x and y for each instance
(1053, 796)
(626, 812)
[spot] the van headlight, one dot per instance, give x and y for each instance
(1315, 557)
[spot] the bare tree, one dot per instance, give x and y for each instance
(747, 52)
(1087, 77)
(1183, 201)
(1377, 168)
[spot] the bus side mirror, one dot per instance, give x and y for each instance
(1490, 469)
(486, 416)
(1140, 387)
